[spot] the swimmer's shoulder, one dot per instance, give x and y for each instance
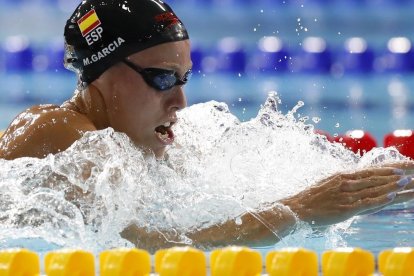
(43, 129)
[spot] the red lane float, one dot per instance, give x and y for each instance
(358, 141)
(403, 140)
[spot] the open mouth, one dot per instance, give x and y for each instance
(165, 133)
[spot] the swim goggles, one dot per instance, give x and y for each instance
(160, 79)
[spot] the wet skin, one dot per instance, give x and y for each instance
(119, 98)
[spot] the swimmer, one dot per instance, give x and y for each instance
(132, 59)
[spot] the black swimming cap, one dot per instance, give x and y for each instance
(101, 33)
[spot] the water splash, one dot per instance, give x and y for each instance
(218, 168)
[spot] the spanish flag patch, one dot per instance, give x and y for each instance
(88, 22)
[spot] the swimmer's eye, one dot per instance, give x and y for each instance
(158, 78)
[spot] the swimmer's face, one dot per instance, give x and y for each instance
(144, 113)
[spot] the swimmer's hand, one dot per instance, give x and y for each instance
(330, 201)
(344, 195)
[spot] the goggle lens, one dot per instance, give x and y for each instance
(160, 79)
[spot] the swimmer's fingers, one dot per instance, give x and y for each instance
(400, 197)
(372, 182)
(383, 171)
(372, 205)
(392, 193)
(406, 166)
(377, 191)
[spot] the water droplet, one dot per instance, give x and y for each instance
(316, 119)
(337, 125)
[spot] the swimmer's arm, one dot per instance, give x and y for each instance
(252, 229)
(256, 229)
(332, 200)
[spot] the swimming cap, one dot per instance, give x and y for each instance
(101, 33)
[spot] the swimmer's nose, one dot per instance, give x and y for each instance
(178, 99)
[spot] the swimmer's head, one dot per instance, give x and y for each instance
(101, 33)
